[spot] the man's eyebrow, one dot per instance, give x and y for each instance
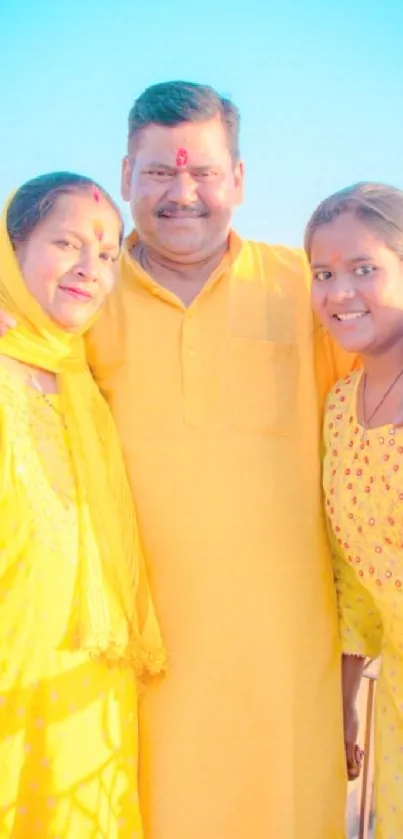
(158, 165)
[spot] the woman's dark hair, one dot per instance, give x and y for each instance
(36, 199)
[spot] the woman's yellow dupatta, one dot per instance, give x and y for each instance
(116, 616)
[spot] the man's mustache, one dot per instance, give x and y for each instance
(182, 211)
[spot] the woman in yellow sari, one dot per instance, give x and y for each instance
(78, 629)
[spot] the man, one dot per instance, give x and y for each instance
(206, 354)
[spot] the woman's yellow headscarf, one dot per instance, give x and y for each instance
(116, 616)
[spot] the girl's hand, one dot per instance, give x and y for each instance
(354, 754)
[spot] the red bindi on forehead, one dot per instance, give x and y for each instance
(96, 194)
(182, 157)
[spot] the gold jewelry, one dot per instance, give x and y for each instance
(366, 420)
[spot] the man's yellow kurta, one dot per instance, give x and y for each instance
(218, 414)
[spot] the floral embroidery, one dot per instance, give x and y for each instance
(363, 491)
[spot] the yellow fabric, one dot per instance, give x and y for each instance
(68, 722)
(360, 621)
(218, 414)
(108, 619)
(363, 491)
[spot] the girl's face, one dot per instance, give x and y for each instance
(357, 287)
(69, 260)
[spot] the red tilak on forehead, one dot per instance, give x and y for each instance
(181, 157)
(96, 194)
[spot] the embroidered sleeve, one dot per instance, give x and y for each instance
(359, 618)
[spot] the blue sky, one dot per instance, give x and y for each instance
(319, 85)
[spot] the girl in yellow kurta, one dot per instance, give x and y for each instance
(77, 623)
(355, 245)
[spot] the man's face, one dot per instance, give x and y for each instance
(182, 185)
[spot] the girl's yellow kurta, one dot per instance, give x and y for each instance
(364, 497)
(218, 412)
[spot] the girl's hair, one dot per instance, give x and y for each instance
(36, 199)
(378, 206)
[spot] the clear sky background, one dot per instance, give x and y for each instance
(319, 84)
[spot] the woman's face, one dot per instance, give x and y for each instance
(69, 259)
(357, 285)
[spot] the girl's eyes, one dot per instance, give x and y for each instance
(365, 269)
(360, 271)
(322, 275)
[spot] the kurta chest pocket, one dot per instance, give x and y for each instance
(263, 379)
